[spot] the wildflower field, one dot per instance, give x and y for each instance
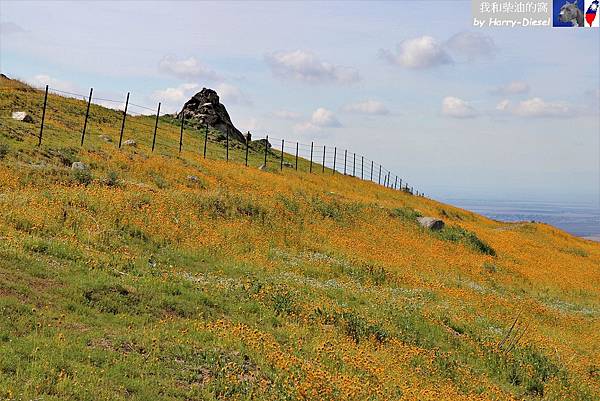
(169, 276)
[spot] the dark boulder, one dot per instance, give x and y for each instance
(205, 108)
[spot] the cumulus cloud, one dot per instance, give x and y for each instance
(418, 53)
(373, 107)
(537, 107)
(304, 66)
(286, 115)
(179, 93)
(320, 118)
(511, 88)
(472, 46)
(503, 105)
(189, 68)
(231, 94)
(457, 108)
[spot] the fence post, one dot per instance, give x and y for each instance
(362, 165)
(266, 150)
(87, 113)
(297, 156)
(247, 136)
(205, 139)
(43, 116)
(400, 184)
(334, 158)
(354, 165)
(388, 178)
(123, 122)
(311, 156)
(379, 180)
(345, 156)
(396, 182)
(281, 161)
(181, 132)
(155, 126)
(371, 170)
(323, 159)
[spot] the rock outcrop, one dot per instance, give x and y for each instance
(431, 223)
(22, 116)
(205, 108)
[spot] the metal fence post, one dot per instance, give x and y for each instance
(247, 136)
(323, 159)
(266, 150)
(371, 170)
(362, 165)
(155, 126)
(311, 156)
(281, 161)
(123, 122)
(354, 165)
(87, 113)
(396, 182)
(205, 139)
(334, 158)
(379, 180)
(297, 156)
(43, 116)
(345, 157)
(181, 132)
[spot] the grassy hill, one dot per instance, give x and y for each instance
(133, 281)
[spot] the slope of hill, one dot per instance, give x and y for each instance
(134, 280)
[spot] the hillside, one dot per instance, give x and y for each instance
(165, 276)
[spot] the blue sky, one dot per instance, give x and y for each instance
(458, 111)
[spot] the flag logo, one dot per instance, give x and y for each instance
(592, 19)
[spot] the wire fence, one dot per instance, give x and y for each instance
(136, 125)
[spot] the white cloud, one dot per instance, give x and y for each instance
(320, 118)
(189, 68)
(472, 45)
(512, 88)
(418, 53)
(503, 105)
(457, 108)
(286, 115)
(324, 118)
(231, 94)
(537, 107)
(306, 67)
(179, 93)
(367, 107)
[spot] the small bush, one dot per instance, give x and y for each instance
(112, 179)
(283, 303)
(4, 149)
(334, 209)
(458, 234)
(83, 177)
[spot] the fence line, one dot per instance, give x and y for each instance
(277, 151)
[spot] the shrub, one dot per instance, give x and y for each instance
(83, 177)
(4, 149)
(112, 179)
(576, 251)
(458, 234)
(489, 267)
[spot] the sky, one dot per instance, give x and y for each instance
(457, 111)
